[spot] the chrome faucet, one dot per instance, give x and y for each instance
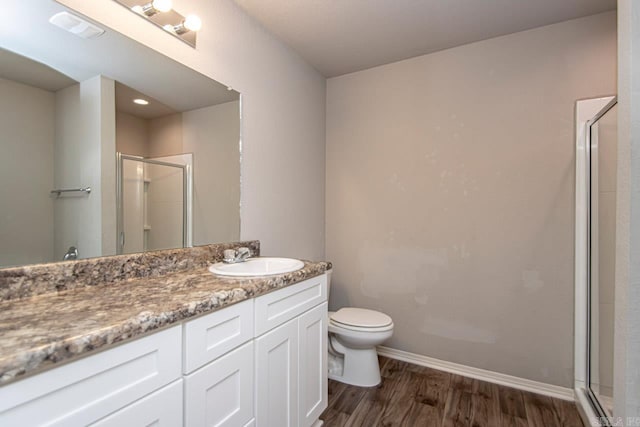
(232, 256)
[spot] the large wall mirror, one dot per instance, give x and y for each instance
(108, 146)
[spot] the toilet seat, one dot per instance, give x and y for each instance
(360, 319)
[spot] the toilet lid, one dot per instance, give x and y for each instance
(361, 317)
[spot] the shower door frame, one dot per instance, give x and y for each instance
(187, 186)
(588, 112)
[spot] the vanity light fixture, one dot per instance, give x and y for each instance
(141, 101)
(190, 23)
(184, 28)
(153, 7)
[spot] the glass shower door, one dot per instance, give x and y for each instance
(602, 173)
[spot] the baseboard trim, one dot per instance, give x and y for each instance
(479, 374)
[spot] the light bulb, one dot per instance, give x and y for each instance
(192, 22)
(141, 101)
(162, 5)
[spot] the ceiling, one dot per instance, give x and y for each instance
(20, 69)
(23, 70)
(342, 36)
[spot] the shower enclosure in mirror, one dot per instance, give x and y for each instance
(68, 105)
(154, 202)
(596, 177)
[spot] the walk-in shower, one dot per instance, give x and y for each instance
(154, 202)
(596, 176)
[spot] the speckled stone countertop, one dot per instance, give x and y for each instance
(43, 329)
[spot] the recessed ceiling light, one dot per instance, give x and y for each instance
(141, 101)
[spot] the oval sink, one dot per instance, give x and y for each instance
(261, 266)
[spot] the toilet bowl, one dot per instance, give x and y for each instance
(354, 334)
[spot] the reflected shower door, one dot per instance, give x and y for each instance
(152, 204)
(602, 164)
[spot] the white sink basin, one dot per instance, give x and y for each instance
(262, 266)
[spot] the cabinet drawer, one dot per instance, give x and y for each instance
(213, 335)
(85, 391)
(162, 408)
(278, 307)
(221, 393)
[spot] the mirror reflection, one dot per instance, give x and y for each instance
(105, 162)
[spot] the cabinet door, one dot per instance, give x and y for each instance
(221, 393)
(162, 408)
(312, 330)
(277, 377)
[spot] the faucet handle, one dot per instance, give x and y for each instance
(229, 254)
(236, 255)
(71, 254)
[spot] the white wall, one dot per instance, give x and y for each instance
(26, 173)
(626, 386)
(450, 182)
(212, 134)
(283, 124)
(85, 157)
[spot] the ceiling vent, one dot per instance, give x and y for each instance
(76, 25)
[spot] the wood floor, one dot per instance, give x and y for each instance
(412, 395)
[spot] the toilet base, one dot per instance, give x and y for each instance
(357, 367)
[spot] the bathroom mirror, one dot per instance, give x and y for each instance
(108, 146)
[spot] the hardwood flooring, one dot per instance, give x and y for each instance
(412, 395)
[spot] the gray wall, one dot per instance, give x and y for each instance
(450, 195)
(626, 382)
(27, 123)
(283, 126)
(212, 134)
(132, 135)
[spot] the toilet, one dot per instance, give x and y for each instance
(354, 334)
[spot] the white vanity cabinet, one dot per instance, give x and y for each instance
(161, 408)
(291, 357)
(85, 391)
(312, 381)
(220, 393)
(277, 364)
(261, 362)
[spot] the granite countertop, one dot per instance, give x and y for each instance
(39, 331)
